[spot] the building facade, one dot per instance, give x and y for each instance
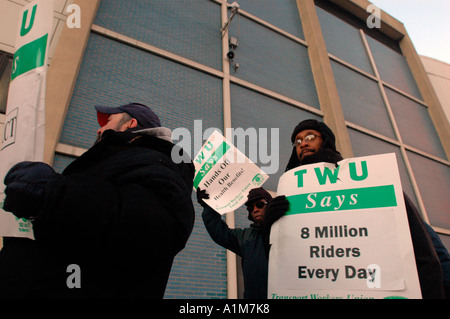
(439, 74)
(334, 61)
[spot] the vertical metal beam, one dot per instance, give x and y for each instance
(323, 76)
(232, 289)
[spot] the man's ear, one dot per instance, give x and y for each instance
(133, 123)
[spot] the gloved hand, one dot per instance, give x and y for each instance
(201, 195)
(24, 190)
(276, 209)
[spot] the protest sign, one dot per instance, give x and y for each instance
(22, 138)
(345, 235)
(226, 174)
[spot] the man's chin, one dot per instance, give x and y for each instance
(258, 220)
(323, 155)
(309, 158)
(306, 154)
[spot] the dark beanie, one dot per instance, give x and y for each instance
(329, 140)
(327, 153)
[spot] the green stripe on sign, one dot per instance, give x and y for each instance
(210, 162)
(346, 199)
(29, 57)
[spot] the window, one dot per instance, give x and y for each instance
(361, 100)
(343, 40)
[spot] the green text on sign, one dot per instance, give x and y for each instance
(212, 160)
(29, 57)
(346, 199)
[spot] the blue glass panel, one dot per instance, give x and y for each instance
(393, 67)
(190, 28)
(361, 100)
(365, 145)
(257, 111)
(274, 62)
(410, 114)
(281, 13)
(433, 179)
(343, 40)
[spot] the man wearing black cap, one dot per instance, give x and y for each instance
(133, 117)
(314, 142)
(248, 243)
(111, 224)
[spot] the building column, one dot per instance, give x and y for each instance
(323, 76)
(232, 286)
(63, 72)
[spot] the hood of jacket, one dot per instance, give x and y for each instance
(163, 133)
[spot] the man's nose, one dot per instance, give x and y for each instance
(303, 143)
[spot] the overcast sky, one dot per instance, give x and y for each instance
(427, 23)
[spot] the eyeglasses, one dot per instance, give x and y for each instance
(257, 204)
(307, 139)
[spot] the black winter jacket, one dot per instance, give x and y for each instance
(121, 212)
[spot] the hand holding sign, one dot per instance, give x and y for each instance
(225, 174)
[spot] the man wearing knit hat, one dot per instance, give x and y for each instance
(314, 142)
(111, 224)
(248, 243)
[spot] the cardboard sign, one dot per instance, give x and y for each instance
(226, 174)
(345, 235)
(23, 136)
